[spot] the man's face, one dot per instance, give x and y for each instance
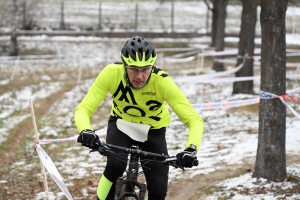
(138, 76)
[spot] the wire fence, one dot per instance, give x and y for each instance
(133, 15)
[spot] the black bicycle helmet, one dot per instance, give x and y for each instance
(138, 51)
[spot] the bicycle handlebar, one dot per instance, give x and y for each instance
(166, 159)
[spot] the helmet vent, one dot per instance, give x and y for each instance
(140, 53)
(126, 54)
(133, 51)
(153, 53)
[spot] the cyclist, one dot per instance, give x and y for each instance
(140, 91)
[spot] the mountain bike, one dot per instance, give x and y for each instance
(128, 187)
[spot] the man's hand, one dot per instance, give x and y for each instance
(89, 139)
(187, 158)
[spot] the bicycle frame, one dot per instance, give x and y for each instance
(131, 181)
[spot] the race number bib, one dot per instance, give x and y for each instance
(137, 132)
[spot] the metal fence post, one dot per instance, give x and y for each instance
(172, 16)
(100, 16)
(136, 16)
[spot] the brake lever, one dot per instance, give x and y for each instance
(180, 167)
(93, 150)
(174, 164)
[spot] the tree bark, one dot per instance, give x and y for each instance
(219, 28)
(214, 26)
(62, 25)
(13, 50)
(246, 46)
(271, 158)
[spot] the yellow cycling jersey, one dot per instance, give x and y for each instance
(147, 105)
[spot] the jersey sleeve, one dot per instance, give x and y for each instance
(185, 112)
(92, 100)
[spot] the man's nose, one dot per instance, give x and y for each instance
(139, 75)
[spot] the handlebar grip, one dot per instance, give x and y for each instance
(195, 163)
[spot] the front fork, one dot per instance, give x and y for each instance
(131, 181)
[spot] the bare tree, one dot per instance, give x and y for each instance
(270, 158)
(62, 25)
(246, 46)
(13, 50)
(28, 8)
(218, 27)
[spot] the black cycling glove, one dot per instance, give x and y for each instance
(89, 139)
(187, 158)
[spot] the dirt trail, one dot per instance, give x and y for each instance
(202, 185)
(24, 184)
(13, 150)
(199, 186)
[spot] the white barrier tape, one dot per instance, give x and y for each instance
(181, 60)
(289, 107)
(175, 49)
(48, 163)
(256, 63)
(226, 80)
(294, 90)
(230, 79)
(229, 104)
(267, 95)
(263, 95)
(31, 57)
(47, 141)
(228, 61)
(178, 58)
(227, 52)
(293, 95)
(194, 79)
(74, 138)
(183, 55)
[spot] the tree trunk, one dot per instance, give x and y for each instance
(214, 26)
(270, 158)
(13, 50)
(246, 46)
(220, 32)
(100, 16)
(24, 16)
(62, 25)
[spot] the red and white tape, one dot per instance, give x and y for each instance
(52, 170)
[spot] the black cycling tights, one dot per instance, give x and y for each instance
(157, 177)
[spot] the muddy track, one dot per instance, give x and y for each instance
(202, 185)
(199, 186)
(17, 135)
(27, 186)
(14, 149)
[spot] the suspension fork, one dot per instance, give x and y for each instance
(132, 174)
(131, 181)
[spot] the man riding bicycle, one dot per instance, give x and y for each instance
(140, 91)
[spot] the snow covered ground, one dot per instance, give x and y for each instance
(230, 135)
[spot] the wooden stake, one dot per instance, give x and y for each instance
(36, 142)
